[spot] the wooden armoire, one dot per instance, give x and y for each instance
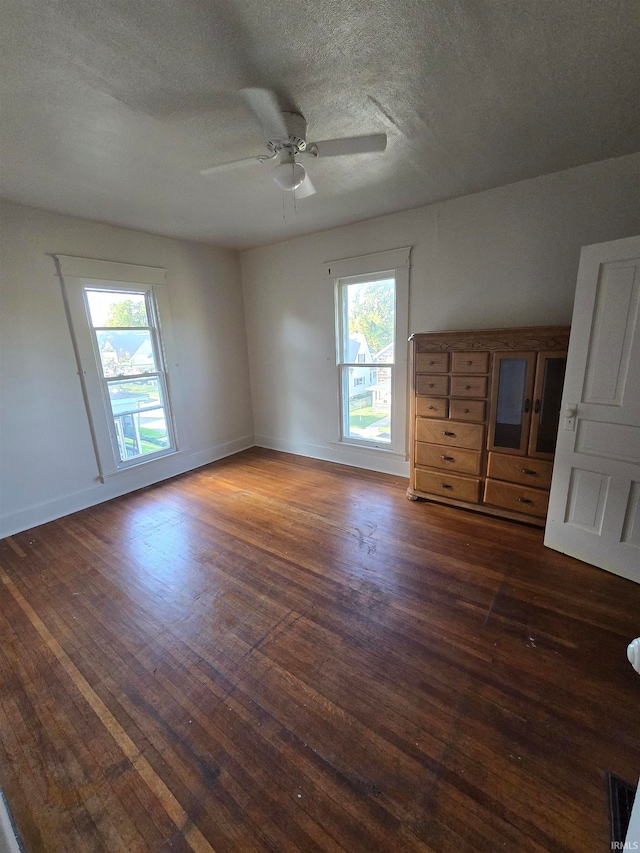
(484, 417)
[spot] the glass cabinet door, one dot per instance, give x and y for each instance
(511, 398)
(547, 398)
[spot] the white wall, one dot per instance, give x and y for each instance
(505, 257)
(47, 463)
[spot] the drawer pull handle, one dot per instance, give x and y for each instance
(469, 362)
(524, 500)
(467, 387)
(432, 362)
(431, 408)
(527, 405)
(528, 471)
(450, 434)
(466, 411)
(431, 384)
(445, 486)
(536, 408)
(448, 458)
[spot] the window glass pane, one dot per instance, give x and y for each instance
(142, 433)
(367, 404)
(126, 351)
(369, 312)
(117, 308)
(131, 395)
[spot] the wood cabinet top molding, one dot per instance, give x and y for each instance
(493, 340)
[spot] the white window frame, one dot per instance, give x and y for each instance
(376, 267)
(81, 274)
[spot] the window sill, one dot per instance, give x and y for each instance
(369, 449)
(109, 475)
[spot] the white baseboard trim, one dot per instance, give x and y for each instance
(356, 457)
(124, 482)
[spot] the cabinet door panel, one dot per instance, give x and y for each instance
(511, 401)
(547, 397)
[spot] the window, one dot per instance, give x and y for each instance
(128, 355)
(121, 330)
(372, 306)
(366, 335)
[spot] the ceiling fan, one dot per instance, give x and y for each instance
(286, 134)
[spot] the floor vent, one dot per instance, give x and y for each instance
(621, 797)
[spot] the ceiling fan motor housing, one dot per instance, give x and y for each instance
(297, 129)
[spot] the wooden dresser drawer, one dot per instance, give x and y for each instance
(432, 407)
(447, 485)
(450, 433)
(467, 410)
(432, 386)
(448, 458)
(520, 469)
(468, 386)
(432, 362)
(469, 362)
(516, 498)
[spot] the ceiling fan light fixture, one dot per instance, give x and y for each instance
(289, 175)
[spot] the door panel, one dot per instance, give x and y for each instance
(614, 324)
(595, 496)
(587, 499)
(602, 438)
(631, 528)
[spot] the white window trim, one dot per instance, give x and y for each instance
(75, 275)
(373, 267)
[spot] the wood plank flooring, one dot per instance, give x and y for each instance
(277, 654)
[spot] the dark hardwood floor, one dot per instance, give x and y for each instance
(277, 654)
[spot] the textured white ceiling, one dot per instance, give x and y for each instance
(110, 107)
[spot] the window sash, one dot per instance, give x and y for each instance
(344, 412)
(342, 339)
(159, 374)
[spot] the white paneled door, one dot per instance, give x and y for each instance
(594, 508)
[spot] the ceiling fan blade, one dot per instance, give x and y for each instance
(348, 145)
(305, 189)
(231, 164)
(263, 103)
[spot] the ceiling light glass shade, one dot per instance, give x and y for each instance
(289, 176)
